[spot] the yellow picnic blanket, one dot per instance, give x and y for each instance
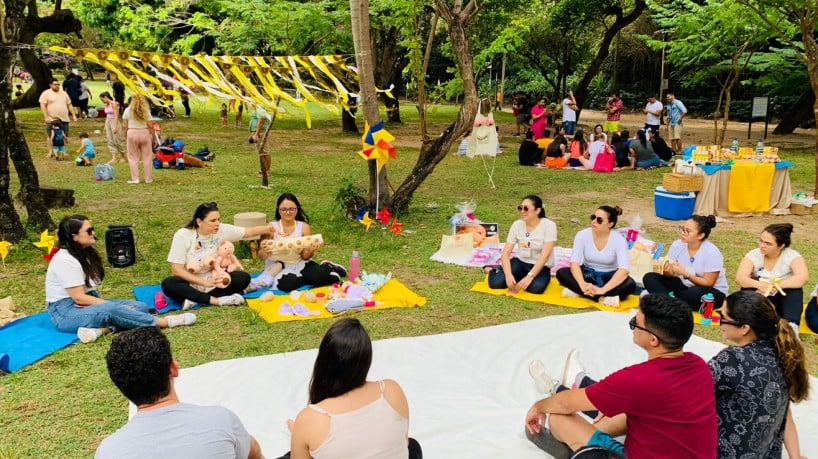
(553, 295)
(393, 294)
(749, 187)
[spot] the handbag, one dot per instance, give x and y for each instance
(605, 160)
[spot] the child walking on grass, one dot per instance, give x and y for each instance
(86, 152)
(239, 112)
(58, 140)
(224, 115)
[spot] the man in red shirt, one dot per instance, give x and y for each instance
(613, 110)
(665, 405)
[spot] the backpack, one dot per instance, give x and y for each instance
(605, 160)
(58, 136)
(103, 172)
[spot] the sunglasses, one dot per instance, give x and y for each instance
(524, 208)
(730, 322)
(599, 220)
(633, 325)
(90, 231)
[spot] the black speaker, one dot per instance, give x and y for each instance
(120, 246)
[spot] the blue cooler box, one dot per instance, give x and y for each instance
(673, 206)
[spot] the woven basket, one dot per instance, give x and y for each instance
(678, 183)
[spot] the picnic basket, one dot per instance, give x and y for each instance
(678, 182)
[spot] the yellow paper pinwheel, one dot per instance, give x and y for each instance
(4, 250)
(377, 145)
(366, 221)
(46, 242)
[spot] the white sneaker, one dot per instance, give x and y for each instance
(612, 301)
(568, 293)
(88, 335)
(187, 304)
(545, 383)
(231, 300)
(181, 320)
(574, 371)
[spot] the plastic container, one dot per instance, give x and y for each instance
(354, 265)
(706, 308)
(734, 145)
(673, 206)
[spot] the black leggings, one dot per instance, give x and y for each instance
(663, 285)
(179, 289)
(312, 274)
(520, 269)
(566, 279)
(788, 307)
(812, 315)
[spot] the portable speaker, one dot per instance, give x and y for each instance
(120, 246)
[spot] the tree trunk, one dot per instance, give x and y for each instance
(801, 112)
(433, 151)
(581, 90)
(359, 15)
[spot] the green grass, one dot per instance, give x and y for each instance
(64, 405)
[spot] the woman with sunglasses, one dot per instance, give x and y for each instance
(756, 380)
(599, 261)
(194, 245)
(289, 269)
(695, 266)
(534, 237)
(776, 271)
(75, 306)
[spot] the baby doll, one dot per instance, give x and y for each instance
(226, 258)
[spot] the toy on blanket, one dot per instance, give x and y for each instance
(374, 281)
(290, 243)
(226, 257)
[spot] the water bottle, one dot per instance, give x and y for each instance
(734, 145)
(354, 265)
(760, 150)
(706, 309)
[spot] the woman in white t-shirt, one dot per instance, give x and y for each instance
(696, 266)
(74, 305)
(599, 261)
(192, 248)
(776, 270)
(349, 416)
(598, 134)
(534, 237)
(138, 138)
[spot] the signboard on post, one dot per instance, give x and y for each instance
(759, 110)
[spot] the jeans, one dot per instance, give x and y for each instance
(179, 289)
(598, 278)
(113, 314)
(519, 269)
(570, 127)
(662, 285)
(652, 162)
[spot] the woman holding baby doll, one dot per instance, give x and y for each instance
(534, 237)
(695, 266)
(289, 268)
(197, 279)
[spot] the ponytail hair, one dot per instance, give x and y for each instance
(750, 308)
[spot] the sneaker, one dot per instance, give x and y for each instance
(231, 300)
(612, 301)
(133, 182)
(336, 268)
(181, 320)
(545, 383)
(568, 293)
(88, 335)
(187, 304)
(574, 371)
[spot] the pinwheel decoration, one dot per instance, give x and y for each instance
(46, 242)
(377, 145)
(395, 228)
(4, 250)
(366, 221)
(384, 216)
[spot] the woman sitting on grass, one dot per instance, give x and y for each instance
(349, 416)
(599, 261)
(196, 244)
(642, 154)
(578, 148)
(74, 305)
(534, 237)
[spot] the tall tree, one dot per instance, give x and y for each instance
(795, 23)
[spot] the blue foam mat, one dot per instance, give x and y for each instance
(28, 340)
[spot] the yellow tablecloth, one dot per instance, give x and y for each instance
(713, 198)
(745, 191)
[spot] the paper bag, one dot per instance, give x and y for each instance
(641, 264)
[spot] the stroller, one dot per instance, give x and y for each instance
(167, 152)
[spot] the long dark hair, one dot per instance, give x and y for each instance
(579, 136)
(300, 215)
(201, 214)
(642, 138)
(88, 257)
(750, 308)
(343, 361)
